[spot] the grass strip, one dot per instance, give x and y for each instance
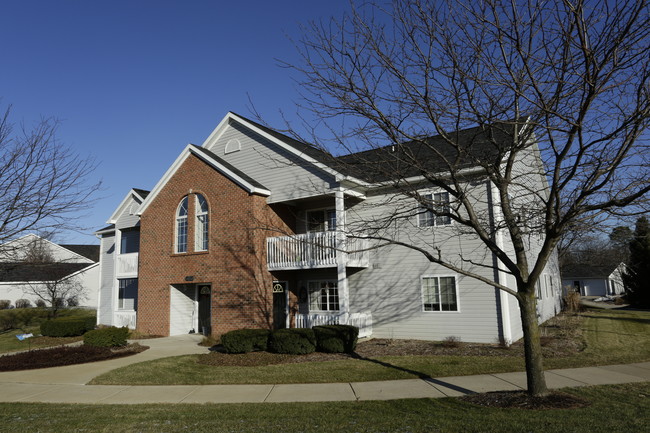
(613, 409)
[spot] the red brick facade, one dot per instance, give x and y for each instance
(234, 265)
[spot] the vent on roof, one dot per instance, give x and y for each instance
(233, 145)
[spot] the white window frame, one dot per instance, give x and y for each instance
(430, 219)
(424, 297)
(320, 282)
(201, 228)
(177, 221)
(120, 300)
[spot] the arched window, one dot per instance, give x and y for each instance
(202, 224)
(181, 226)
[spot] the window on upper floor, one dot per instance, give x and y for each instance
(438, 202)
(323, 296)
(181, 226)
(439, 293)
(202, 229)
(129, 241)
(322, 220)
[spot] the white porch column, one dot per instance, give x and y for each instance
(341, 255)
(504, 297)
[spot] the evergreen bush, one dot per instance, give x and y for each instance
(107, 337)
(245, 340)
(293, 341)
(336, 338)
(67, 326)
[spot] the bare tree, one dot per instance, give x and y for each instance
(565, 82)
(48, 279)
(44, 186)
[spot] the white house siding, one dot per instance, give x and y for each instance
(107, 294)
(392, 284)
(284, 174)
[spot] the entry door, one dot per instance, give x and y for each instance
(205, 316)
(279, 304)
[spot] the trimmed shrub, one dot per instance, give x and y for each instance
(245, 340)
(5, 304)
(107, 337)
(336, 338)
(293, 341)
(40, 303)
(72, 301)
(23, 303)
(67, 326)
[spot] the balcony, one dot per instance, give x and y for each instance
(313, 251)
(127, 265)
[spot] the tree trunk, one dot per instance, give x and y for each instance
(532, 346)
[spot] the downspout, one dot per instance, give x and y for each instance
(501, 276)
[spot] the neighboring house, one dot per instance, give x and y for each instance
(30, 261)
(592, 280)
(251, 228)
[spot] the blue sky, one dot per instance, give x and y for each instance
(134, 81)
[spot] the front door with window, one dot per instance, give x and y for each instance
(205, 309)
(279, 304)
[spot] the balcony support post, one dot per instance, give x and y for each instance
(341, 255)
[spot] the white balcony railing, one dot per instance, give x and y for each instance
(363, 321)
(313, 250)
(125, 318)
(127, 265)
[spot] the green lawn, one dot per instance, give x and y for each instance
(620, 408)
(611, 337)
(9, 342)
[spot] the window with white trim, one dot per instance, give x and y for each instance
(323, 296)
(129, 241)
(439, 293)
(127, 298)
(201, 231)
(181, 226)
(433, 205)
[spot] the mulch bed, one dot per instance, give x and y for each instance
(65, 355)
(521, 400)
(560, 338)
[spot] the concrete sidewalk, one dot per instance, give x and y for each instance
(66, 384)
(80, 374)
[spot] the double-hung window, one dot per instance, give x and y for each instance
(433, 210)
(323, 296)
(129, 241)
(202, 228)
(127, 294)
(439, 293)
(181, 226)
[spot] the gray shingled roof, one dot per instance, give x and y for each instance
(10, 272)
(586, 270)
(390, 162)
(89, 251)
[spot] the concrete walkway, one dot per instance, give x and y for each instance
(67, 384)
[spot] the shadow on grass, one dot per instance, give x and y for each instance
(419, 374)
